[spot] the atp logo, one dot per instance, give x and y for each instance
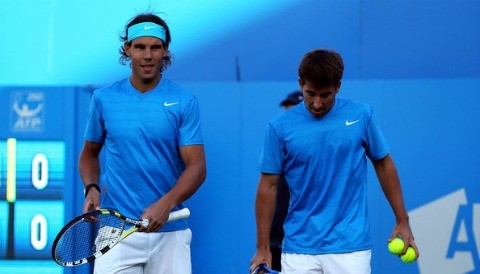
(27, 111)
(447, 232)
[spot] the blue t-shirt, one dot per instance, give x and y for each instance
(141, 135)
(325, 166)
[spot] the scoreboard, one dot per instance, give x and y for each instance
(39, 186)
(32, 211)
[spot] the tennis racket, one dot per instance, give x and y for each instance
(265, 269)
(94, 233)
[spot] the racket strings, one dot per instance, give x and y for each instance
(88, 237)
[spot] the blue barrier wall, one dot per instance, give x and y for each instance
(431, 126)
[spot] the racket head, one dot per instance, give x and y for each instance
(87, 237)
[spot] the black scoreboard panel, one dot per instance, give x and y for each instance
(39, 188)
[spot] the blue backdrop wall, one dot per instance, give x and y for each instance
(430, 124)
(416, 62)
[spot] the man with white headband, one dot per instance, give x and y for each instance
(149, 130)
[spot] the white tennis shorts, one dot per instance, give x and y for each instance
(344, 263)
(148, 253)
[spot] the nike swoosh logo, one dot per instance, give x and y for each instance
(169, 104)
(351, 123)
(147, 28)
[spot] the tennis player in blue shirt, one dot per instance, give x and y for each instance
(322, 146)
(149, 130)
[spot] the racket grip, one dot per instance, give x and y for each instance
(179, 214)
(265, 269)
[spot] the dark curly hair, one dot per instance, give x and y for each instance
(146, 17)
(321, 68)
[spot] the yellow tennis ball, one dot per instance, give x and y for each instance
(409, 256)
(396, 246)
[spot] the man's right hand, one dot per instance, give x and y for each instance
(92, 201)
(262, 256)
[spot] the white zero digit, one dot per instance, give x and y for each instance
(40, 163)
(38, 232)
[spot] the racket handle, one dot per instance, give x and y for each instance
(179, 214)
(265, 269)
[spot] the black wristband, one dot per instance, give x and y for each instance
(87, 188)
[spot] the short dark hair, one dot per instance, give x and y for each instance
(321, 68)
(146, 17)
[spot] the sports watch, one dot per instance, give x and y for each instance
(87, 188)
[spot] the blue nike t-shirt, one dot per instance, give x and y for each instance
(325, 165)
(141, 135)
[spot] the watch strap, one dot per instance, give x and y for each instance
(89, 186)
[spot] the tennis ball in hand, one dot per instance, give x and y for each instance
(396, 246)
(409, 256)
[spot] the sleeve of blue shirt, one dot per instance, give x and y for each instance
(271, 157)
(376, 144)
(95, 129)
(190, 129)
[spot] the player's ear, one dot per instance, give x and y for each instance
(337, 90)
(301, 82)
(127, 47)
(165, 47)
